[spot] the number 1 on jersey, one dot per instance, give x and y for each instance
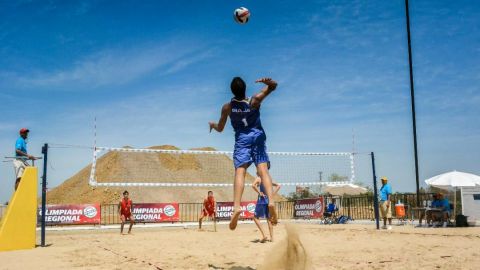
(244, 120)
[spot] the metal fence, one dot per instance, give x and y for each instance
(356, 207)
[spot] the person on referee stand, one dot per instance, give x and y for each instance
(385, 203)
(21, 156)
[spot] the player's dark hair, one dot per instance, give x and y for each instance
(238, 88)
(125, 192)
(210, 192)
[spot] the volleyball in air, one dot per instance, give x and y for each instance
(241, 15)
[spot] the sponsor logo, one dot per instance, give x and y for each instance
(169, 210)
(90, 211)
(318, 206)
(251, 207)
(308, 208)
(145, 210)
(225, 210)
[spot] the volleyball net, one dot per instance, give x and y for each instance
(160, 167)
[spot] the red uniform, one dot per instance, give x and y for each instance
(209, 207)
(125, 206)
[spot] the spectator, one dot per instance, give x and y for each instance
(21, 156)
(430, 212)
(385, 204)
(331, 208)
(444, 204)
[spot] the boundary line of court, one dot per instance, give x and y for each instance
(187, 225)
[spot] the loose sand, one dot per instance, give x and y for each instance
(317, 247)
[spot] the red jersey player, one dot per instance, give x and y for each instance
(125, 211)
(208, 210)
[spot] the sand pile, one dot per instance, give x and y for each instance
(151, 167)
(288, 254)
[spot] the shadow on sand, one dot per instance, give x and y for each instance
(211, 266)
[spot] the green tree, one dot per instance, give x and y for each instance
(334, 177)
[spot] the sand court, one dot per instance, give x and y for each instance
(322, 247)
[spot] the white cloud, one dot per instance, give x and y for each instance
(115, 66)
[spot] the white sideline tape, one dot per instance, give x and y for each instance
(186, 225)
(219, 152)
(132, 184)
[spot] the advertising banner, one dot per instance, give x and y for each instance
(225, 210)
(309, 208)
(71, 214)
(155, 212)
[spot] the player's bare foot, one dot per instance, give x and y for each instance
(265, 239)
(234, 220)
(273, 214)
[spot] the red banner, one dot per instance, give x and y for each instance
(156, 212)
(309, 208)
(225, 210)
(71, 214)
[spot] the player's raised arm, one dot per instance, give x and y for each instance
(276, 187)
(255, 185)
(270, 86)
(223, 119)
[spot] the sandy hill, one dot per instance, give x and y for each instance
(151, 167)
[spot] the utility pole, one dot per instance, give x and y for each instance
(412, 95)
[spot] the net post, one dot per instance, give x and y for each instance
(375, 193)
(44, 192)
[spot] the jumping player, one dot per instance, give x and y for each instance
(209, 210)
(261, 209)
(125, 212)
(250, 138)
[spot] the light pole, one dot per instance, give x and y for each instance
(412, 95)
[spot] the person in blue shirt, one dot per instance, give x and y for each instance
(385, 204)
(436, 203)
(261, 208)
(21, 155)
(444, 205)
(331, 208)
(250, 141)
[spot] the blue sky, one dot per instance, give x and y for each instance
(155, 72)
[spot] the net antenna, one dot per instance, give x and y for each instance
(154, 167)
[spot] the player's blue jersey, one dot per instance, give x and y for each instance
(243, 117)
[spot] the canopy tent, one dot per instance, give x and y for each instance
(454, 180)
(344, 189)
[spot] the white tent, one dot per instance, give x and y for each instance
(454, 180)
(341, 189)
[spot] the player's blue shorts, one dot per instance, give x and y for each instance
(261, 210)
(250, 147)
